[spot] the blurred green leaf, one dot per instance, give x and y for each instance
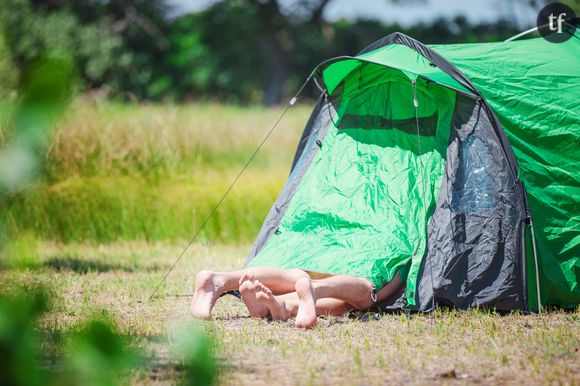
(19, 350)
(97, 356)
(93, 354)
(192, 348)
(44, 93)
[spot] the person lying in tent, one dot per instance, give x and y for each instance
(281, 294)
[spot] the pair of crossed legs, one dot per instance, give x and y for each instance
(301, 303)
(280, 294)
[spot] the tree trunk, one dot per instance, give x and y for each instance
(277, 73)
(278, 46)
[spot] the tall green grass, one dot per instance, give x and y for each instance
(106, 209)
(156, 140)
(153, 172)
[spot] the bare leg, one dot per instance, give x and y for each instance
(331, 306)
(248, 292)
(285, 306)
(211, 285)
(354, 290)
(392, 291)
(325, 306)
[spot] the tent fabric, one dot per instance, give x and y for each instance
(398, 43)
(365, 198)
(475, 255)
(533, 87)
(349, 215)
(316, 128)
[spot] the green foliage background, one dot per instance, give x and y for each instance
(236, 50)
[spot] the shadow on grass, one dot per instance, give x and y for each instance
(165, 369)
(82, 266)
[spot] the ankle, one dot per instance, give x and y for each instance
(209, 281)
(203, 279)
(291, 308)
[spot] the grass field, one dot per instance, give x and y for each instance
(154, 172)
(123, 187)
(447, 347)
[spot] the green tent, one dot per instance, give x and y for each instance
(452, 165)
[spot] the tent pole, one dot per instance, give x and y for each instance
(529, 31)
(516, 37)
(536, 266)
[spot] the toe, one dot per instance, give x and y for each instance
(245, 277)
(247, 286)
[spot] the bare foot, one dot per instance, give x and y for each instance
(306, 317)
(277, 307)
(207, 290)
(248, 290)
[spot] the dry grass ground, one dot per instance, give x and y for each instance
(447, 347)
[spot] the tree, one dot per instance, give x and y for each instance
(31, 34)
(241, 51)
(115, 43)
(277, 43)
(274, 32)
